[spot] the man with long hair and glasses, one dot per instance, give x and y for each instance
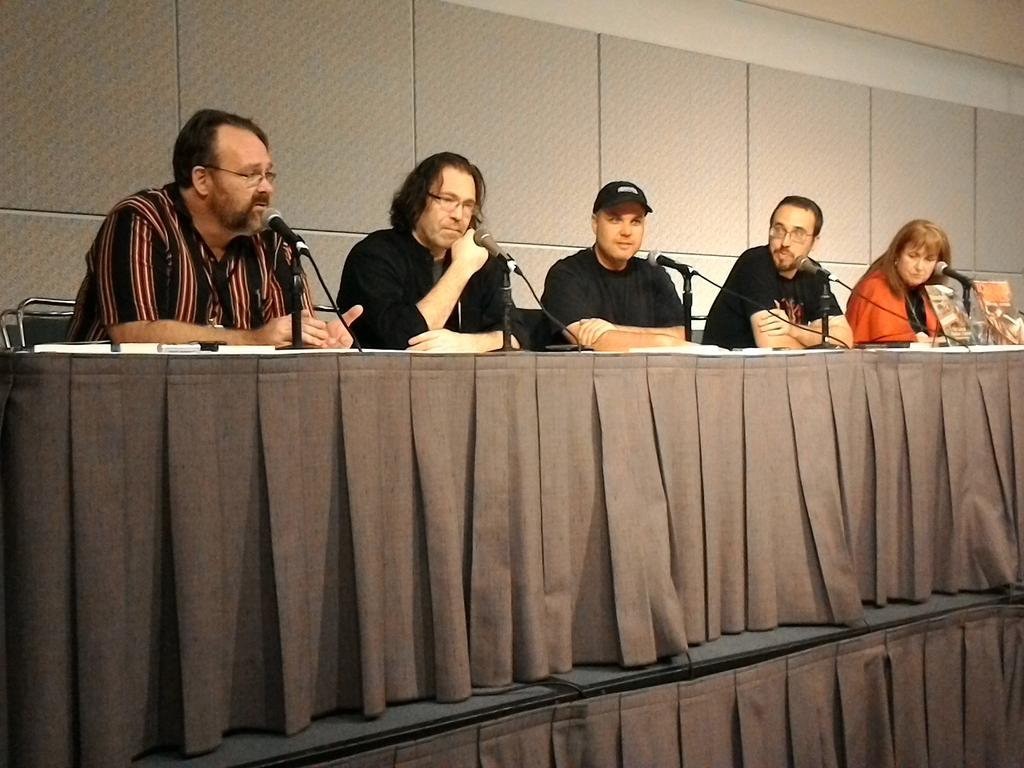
(188, 262)
(425, 285)
(769, 302)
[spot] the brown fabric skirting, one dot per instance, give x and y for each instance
(197, 544)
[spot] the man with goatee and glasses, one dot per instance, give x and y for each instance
(769, 300)
(190, 261)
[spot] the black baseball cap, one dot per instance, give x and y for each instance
(617, 192)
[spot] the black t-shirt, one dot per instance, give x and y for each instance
(389, 271)
(641, 295)
(754, 277)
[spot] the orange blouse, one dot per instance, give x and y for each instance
(876, 315)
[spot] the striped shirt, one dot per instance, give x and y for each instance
(148, 262)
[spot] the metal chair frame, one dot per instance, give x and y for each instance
(25, 309)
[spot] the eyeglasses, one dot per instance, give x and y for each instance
(251, 179)
(798, 235)
(451, 204)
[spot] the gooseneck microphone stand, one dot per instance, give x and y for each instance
(827, 300)
(506, 305)
(297, 292)
(687, 272)
(688, 302)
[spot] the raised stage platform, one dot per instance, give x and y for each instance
(343, 738)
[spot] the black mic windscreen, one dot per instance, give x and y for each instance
(811, 267)
(664, 261)
(485, 239)
(944, 270)
(268, 214)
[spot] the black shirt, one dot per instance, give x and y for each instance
(389, 271)
(640, 295)
(754, 277)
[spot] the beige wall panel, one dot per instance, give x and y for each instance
(44, 254)
(999, 221)
(810, 136)
(330, 251)
(991, 29)
(89, 101)
(535, 261)
(675, 123)
(704, 293)
(519, 99)
(849, 274)
(922, 166)
(334, 93)
(777, 39)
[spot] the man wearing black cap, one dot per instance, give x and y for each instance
(608, 299)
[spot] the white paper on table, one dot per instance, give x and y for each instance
(705, 350)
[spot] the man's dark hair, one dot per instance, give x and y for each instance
(801, 202)
(195, 143)
(411, 199)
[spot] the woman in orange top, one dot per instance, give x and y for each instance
(889, 303)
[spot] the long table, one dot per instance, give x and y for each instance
(193, 544)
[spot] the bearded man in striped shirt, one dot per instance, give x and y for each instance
(188, 261)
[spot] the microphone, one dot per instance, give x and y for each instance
(664, 261)
(687, 272)
(483, 237)
(811, 267)
(272, 220)
(944, 270)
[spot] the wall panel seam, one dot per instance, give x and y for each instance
(871, 174)
(747, 71)
(415, 129)
(600, 116)
(974, 192)
(177, 56)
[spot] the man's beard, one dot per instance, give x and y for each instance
(784, 261)
(240, 221)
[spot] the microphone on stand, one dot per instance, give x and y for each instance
(485, 240)
(944, 270)
(273, 220)
(483, 237)
(828, 301)
(664, 261)
(811, 267)
(688, 272)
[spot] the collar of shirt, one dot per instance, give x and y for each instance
(236, 248)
